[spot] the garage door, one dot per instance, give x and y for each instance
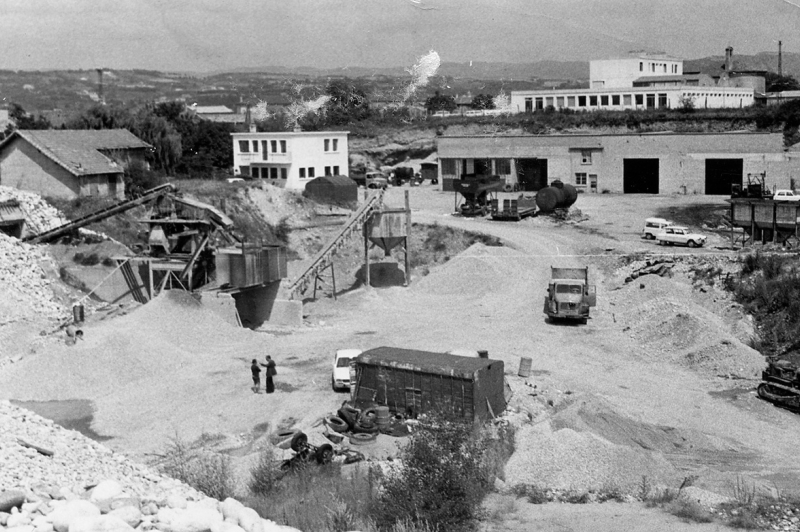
(532, 174)
(640, 176)
(721, 174)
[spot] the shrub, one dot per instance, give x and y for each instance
(690, 511)
(265, 474)
(207, 472)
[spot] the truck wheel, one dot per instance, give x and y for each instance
(324, 454)
(299, 442)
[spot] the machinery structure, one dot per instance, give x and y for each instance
(477, 193)
(756, 217)
(515, 207)
(569, 294)
(781, 384)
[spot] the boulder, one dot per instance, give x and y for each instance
(23, 528)
(102, 523)
(195, 520)
(11, 499)
(4, 518)
(20, 519)
(230, 509)
(272, 526)
(107, 489)
(65, 514)
(130, 514)
(226, 526)
(176, 501)
(250, 521)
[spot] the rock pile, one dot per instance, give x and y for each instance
(55, 480)
(40, 216)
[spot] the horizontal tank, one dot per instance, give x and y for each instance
(557, 196)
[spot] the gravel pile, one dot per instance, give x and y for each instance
(40, 216)
(56, 480)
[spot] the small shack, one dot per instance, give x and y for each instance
(333, 190)
(414, 382)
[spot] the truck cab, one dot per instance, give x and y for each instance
(569, 296)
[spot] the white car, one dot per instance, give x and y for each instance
(653, 226)
(785, 195)
(340, 378)
(675, 234)
(232, 180)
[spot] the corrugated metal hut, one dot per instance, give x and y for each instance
(410, 381)
(332, 189)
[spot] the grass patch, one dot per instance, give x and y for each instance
(689, 511)
(431, 245)
(205, 471)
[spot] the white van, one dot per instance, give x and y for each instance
(653, 226)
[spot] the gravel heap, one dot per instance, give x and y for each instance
(69, 483)
(40, 216)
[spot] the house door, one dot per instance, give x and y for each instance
(112, 186)
(593, 182)
(532, 174)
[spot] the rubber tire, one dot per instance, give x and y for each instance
(370, 414)
(324, 454)
(508, 187)
(691, 244)
(299, 442)
(362, 439)
(358, 428)
(336, 424)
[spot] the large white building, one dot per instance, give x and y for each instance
(290, 159)
(643, 81)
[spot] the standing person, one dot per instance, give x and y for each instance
(271, 372)
(256, 371)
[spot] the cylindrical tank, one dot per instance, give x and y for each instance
(557, 196)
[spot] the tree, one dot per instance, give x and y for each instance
(440, 102)
(777, 83)
(20, 119)
(347, 103)
(482, 101)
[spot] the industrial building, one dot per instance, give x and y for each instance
(648, 81)
(290, 159)
(651, 163)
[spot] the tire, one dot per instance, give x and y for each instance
(336, 424)
(370, 415)
(508, 187)
(691, 244)
(358, 428)
(299, 442)
(324, 454)
(362, 439)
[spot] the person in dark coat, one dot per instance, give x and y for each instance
(256, 371)
(271, 372)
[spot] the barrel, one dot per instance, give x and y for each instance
(525, 367)
(78, 313)
(382, 419)
(558, 196)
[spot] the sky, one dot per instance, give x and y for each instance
(218, 35)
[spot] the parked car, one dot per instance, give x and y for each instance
(340, 378)
(653, 226)
(785, 195)
(376, 180)
(675, 234)
(233, 180)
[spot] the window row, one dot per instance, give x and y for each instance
(264, 172)
(331, 144)
(245, 146)
(659, 67)
(595, 100)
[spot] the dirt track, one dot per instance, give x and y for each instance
(628, 399)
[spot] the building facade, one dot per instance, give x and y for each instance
(657, 163)
(70, 163)
(290, 159)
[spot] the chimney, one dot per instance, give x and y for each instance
(728, 58)
(780, 59)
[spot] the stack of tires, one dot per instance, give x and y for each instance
(363, 424)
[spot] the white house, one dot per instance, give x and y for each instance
(290, 159)
(641, 81)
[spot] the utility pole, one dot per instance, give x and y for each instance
(100, 90)
(780, 59)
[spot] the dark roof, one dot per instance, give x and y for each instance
(424, 361)
(79, 151)
(336, 180)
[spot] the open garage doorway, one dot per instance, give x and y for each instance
(721, 174)
(532, 174)
(640, 176)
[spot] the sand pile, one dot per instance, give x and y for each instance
(40, 216)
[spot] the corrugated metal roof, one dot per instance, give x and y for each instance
(79, 151)
(424, 361)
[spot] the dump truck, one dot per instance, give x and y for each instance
(569, 294)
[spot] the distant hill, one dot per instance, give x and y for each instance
(761, 61)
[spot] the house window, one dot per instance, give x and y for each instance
(255, 146)
(273, 173)
(448, 167)
(586, 156)
(274, 146)
(310, 172)
(335, 145)
(502, 166)
(335, 170)
(641, 66)
(662, 100)
(580, 179)
(570, 101)
(264, 150)
(302, 173)
(244, 170)
(244, 146)
(283, 146)
(615, 99)
(651, 101)
(328, 170)
(548, 102)
(581, 101)
(539, 104)
(639, 99)
(626, 99)
(327, 145)
(560, 101)
(665, 68)
(283, 173)
(528, 105)
(593, 100)
(604, 99)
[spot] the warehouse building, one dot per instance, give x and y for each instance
(651, 163)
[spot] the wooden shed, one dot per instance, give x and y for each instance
(332, 189)
(413, 382)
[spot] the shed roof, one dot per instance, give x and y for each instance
(335, 180)
(213, 109)
(424, 361)
(79, 151)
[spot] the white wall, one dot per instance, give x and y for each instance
(620, 73)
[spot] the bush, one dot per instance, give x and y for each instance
(690, 511)
(264, 476)
(444, 476)
(207, 472)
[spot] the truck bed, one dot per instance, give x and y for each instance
(512, 208)
(568, 273)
